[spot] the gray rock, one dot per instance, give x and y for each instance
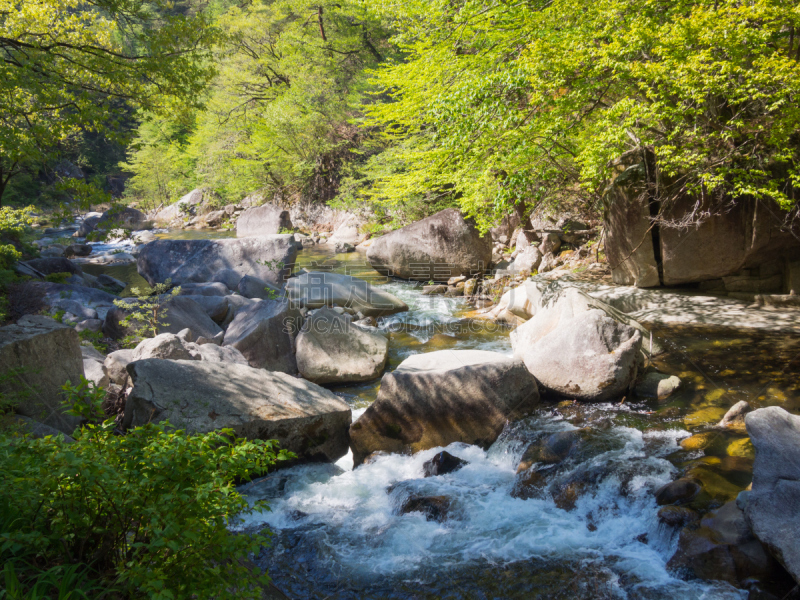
(735, 417)
(578, 353)
(202, 396)
(264, 332)
(316, 289)
(343, 248)
(657, 385)
(228, 277)
(527, 261)
(74, 307)
(93, 366)
(550, 243)
(235, 304)
(436, 248)
(186, 335)
(183, 312)
(330, 349)
(774, 502)
(52, 294)
(438, 398)
(216, 307)
(125, 218)
(44, 355)
(211, 352)
(78, 250)
(95, 325)
(263, 220)
(111, 283)
(115, 365)
(549, 262)
(51, 265)
(87, 226)
(253, 287)
(204, 289)
(185, 261)
(164, 346)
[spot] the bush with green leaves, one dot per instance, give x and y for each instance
(148, 311)
(147, 512)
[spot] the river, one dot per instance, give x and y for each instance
(337, 532)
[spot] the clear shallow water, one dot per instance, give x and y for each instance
(338, 532)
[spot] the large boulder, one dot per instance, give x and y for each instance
(317, 289)
(774, 503)
(331, 349)
(55, 296)
(723, 548)
(48, 266)
(87, 225)
(441, 397)
(578, 351)
(168, 346)
(747, 236)
(123, 218)
(115, 365)
(185, 261)
(264, 332)
(201, 396)
(263, 220)
(442, 246)
(39, 356)
(93, 366)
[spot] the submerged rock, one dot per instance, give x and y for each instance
(437, 248)
(723, 548)
(435, 508)
(657, 385)
(442, 464)
(39, 356)
(441, 397)
(680, 491)
(774, 503)
(201, 396)
(332, 349)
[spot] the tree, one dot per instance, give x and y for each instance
(503, 105)
(66, 65)
(279, 114)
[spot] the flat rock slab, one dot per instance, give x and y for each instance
(200, 397)
(269, 258)
(316, 289)
(263, 220)
(438, 398)
(44, 355)
(773, 506)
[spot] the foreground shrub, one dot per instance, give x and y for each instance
(147, 511)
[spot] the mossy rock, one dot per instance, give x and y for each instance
(704, 416)
(741, 448)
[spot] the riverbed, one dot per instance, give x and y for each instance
(337, 532)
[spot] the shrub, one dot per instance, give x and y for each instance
(57, 277)
(148, 512)
(149, 310)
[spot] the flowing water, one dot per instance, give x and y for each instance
(593, 533)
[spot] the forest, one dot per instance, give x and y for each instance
(392, 109)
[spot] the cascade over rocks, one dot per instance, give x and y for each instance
(262, 220)
(441, 397)
(316, 289)
(201, 396)
(186, 261)
(773, 505)
(45, 355)
(437, 248)
(331, 349)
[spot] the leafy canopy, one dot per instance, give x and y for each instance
(499, 104)
(72, 65)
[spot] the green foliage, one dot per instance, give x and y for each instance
(503, 104)
(95, 338)
(280, 114)
(71, 66)
(22, 581)
(57, 277)
(148, 311)
(148, 511)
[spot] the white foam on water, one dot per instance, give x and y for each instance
(485, 522)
